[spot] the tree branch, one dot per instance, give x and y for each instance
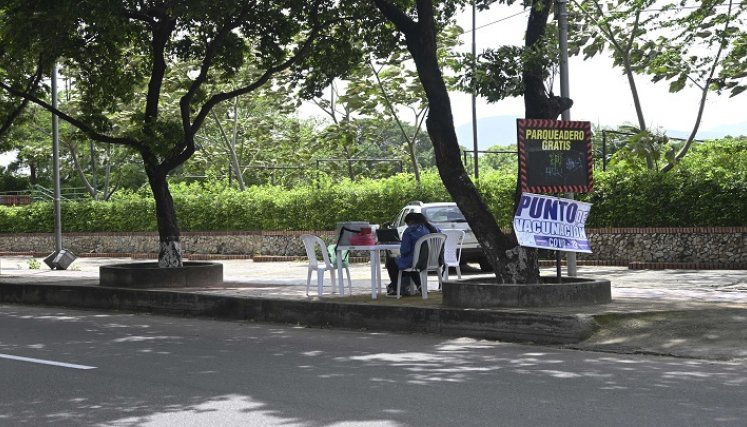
(161, 30)
(31, 87)
(264, 78)
(184, 150)
(394, 14)
(85, 128)
(703, 97)
(393, 113)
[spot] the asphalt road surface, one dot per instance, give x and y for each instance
(61, 367)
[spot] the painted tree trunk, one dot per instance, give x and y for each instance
(169, 254)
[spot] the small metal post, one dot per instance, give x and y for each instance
(604, 150)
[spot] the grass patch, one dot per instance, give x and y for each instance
(637, 320)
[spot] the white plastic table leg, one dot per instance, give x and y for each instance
(339, 273)
(372, 261)
(375, 274)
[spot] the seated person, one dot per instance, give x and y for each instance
(417, 227)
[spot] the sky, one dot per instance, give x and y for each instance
(600, 92)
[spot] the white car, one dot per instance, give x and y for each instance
(446, 215)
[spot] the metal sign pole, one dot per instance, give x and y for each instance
(562, 15)
(60, 259)
(558, 268)
(56, 165)
(474, 97)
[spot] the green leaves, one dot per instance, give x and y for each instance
(708, 188)
(704, 39)
(678, 84)
(497, 74)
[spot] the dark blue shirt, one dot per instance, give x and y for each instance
(407, 249)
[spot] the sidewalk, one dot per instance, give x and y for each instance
(683, 313)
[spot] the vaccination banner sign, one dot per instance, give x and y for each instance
(547, 222)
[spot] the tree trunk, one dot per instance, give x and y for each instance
(230, 143)
(81, 174)
(169, 254)
(538, 104)
(107, 171)
(413, 157)
(421, 42)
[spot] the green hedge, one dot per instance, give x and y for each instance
(675, 199)
(709, 188)
(646, 199)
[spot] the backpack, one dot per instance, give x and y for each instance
(408, 286)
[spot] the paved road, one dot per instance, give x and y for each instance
(143, 370)
(684, 313)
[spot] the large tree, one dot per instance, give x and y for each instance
(419, 23)
(117, 52)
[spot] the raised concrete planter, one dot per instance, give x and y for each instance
(504, 325)
(482, 293)
(144, 275)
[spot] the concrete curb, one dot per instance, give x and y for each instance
(481, 293)
(504, 325)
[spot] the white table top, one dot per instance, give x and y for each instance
(376, 247)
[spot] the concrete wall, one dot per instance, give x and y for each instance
(724, 246)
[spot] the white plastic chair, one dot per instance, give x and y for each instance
(453, 251)
(312, 244)
(435, 243)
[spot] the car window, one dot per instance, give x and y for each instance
(444, 214)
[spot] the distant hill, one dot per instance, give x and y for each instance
(491, 131)
(501, 130)
(739, 129)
